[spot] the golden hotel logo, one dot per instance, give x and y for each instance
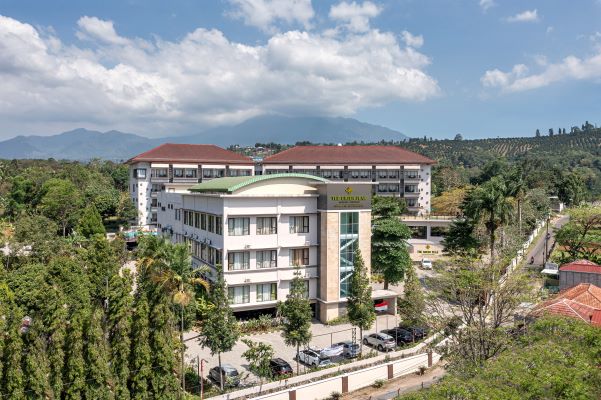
(349, 190)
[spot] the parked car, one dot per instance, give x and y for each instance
(381, 305)
(228, 373)
(419, 332)
(381, 341)
(426, 263)
(313, 358)
(280, 367)
(349, 349)
(334, 350)
(400, 335)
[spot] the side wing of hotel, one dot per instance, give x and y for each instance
(308, 207)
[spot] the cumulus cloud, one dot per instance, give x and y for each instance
(415, 41)
(264, 14)
(486, 4)
(568, 69)
(526, 16)
(355, 15)
(200, 80)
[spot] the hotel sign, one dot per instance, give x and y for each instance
(349, 196)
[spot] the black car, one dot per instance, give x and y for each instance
(229, 374)
(280, 367)
(418, 332)
(400, 335)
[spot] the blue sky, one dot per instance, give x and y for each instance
(482, 68)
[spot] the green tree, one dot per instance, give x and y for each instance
(90, 222)
(461, 239)
(489, 203)
(258, 355)
(390, 254)
(220, 330)
(96, 356)
(119, 326)
(141, 361)
(387, 207)
(13, 379)
(580, 236)
(296, 314)
(570, 188)
(361, 312)
(102, 265)
(412, 305)
(35, 365)
(61, 203)
(75, 365)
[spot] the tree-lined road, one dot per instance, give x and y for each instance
(538, 250)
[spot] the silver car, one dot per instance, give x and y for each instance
(381, 341)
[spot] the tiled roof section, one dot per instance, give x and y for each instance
(582, 301)
(192, 153)
(345, 155)
(231, 184)
(582, 266)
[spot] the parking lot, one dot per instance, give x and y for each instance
(323, 336)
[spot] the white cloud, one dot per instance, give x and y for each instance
(569, 69)
(415, 41)
(356, 16)
(97, 29)
(550, 29)
(264, 14)
(204, 79)
(486, 4)
(526, 16)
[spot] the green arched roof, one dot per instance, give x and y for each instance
(233, 183)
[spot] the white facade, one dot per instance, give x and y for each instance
(241, 250)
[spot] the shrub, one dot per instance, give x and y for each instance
(379, 383)
(335, 396)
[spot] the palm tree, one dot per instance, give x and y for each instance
(517, 188)
(491, 204)
(169, 266)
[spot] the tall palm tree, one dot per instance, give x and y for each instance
(489, 203)
(517, 188)
(169, 266)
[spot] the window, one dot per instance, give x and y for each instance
(203, 221)
(393, 188)
(410, 189)
(160, 172)
(140, 173)
(211, 223)
(382, 188)
(238, 294)
(190, 173)
(382, 174)
(267, 225)
(238, 226)
(326, 173)
(299, 257)
(178, 172)
(349, 238)
(355, 174)
(178, 214)
(238, 260)
(267, 292)
(411, 174)
(411, 202)
(299, 224)
(365, 174)
(393, 174)
(219, 225)
(197, 220)
(267, 259)
(204, 252)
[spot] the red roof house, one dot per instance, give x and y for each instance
(191, 153)
(582, 302)
(580, 271)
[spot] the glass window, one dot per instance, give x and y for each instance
(219, 225)
(159, 172)
(393, 174)
(411, 174)
(299, 224)
(365, 174)
(267, 292)
(140, 173)
(393, 188)
(410, 189)
(382, 187)
(203, 221)
(354, 174)
(327, 173)
(197, 220)
(349, 240)
(267, 225)
(211, 223)
(238, 260)
(191, 173)
(299, 257)
(178, 172)
(382, 174)
(411, 202)
(239, 294)
(267, 259)
(178, 214)
(204, 252)
(238, 226)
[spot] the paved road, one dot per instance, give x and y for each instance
(538, 250)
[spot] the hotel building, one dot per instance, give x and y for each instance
(176, 167)
(393, 170)
(262, 228)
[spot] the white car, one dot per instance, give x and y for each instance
(426, 263)
(333, 351)
(313, 358)
(381, 341)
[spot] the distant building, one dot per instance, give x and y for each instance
(397, 171)
(175, 167)
(581, 271)
(581, 302)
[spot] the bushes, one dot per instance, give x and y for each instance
(263, 324)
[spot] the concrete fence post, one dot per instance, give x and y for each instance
(430, 359)
(292, 395)
(390, 371)
(345, 384)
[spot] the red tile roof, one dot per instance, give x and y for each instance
(582, 301)
(582, 266)
(369, 155)
(193, 153)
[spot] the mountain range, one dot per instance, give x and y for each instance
(84, 144)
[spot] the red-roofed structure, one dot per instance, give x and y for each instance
(582, 302)
(191, 153)
(580, 271)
